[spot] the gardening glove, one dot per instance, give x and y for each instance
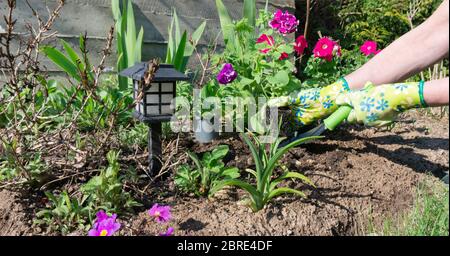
(311, 105)
(379, 106)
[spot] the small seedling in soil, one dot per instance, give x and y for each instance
(266, 161)
(209, 171)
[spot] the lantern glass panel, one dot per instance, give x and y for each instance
(153, 88)
(167, 87)
(153, 110)
(166, 98)
(152, 99)
(166, 110)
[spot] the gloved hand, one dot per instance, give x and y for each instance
(379, 106)
(316, 104)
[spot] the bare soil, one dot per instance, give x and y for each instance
(359, 174)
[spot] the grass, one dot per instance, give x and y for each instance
(428, 217)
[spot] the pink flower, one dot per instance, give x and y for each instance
(300, 45)
(267, 40)
(160, 213)
(169, 232)
(326, 49)
(284, 56)
(369, 48)
(104, 225)
(285, 23)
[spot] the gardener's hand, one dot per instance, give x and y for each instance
(379, 106)
(316, 104)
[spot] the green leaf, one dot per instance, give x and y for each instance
(171, 47)
(195, 159)
(281, 191)
(231, 173)
(177, 28)
(250, 11)
(196, 36)
(236, 183)
(62, 61)
(179, 58)
(139, 43)
(220, 152)
(257, 159)
(281, 78)
(280, 153)
(115, 5)
(291, 175)
(226, 22)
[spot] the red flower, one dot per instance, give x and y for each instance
(284, 56)
(369, 48)
(300, 45)
(267, 40)
(326, 49)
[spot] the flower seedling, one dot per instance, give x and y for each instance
(266, 161)
(209, 172)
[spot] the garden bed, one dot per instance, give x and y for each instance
(360, 174)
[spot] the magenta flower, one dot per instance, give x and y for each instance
(369, 48)
(300, 45)
(326, 49)
(160, 213)
(284, 56)
(227, 74)
(285, 23)
(104, 225)
(169, 232)
(267, 40)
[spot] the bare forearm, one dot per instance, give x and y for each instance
(412, 53)
(436, 93)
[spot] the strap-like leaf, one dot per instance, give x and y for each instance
(250, 11)
(291, 175)
(280, 153)
(281, 191)
(62, 61)
(257, 158)
(179, 58)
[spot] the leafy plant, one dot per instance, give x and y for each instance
(129, 43)
(65, 213)
(181, 47)
(107, 190)
(75, 66)
(208, 173)
(261, 74)
(266, 161)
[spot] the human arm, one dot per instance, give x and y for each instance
(380, 105)
(412, 53)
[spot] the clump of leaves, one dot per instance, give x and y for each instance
(66, 213)
(209, 172)
(267, 161)
(107, 190)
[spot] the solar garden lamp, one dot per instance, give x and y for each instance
(155, 105)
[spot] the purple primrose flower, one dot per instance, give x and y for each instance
(104, 225)
(227, 74)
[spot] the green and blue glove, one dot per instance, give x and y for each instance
(311, 105)
(379, 106)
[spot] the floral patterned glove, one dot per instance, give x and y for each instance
(379, 106)
(316, 104)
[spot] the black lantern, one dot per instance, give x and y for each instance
(156, 104)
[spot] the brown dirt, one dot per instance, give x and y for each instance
(358, 173)
(13, 218)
